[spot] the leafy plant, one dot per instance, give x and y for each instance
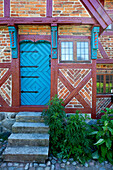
(76, 138)
(68, 135)
(55, 117)
(104, 138)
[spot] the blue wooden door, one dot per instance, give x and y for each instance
(35, 72)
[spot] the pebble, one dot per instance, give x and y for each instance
(10, 164)
(74, 163)
(64, 160)
(86, 165)
(102, 163)
(16, 164)
(27, 166)
(53, 161)
(48, 163)
(71, 159)
(42, 165)
(55, 158)
(62, 165)
(35, 164)
(91, 163)
(52, 167)
(68, 163)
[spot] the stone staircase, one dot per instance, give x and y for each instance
(29, 140)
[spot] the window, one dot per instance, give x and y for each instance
(104, 83)
(74, 51)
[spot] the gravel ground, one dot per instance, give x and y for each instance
(52, 164)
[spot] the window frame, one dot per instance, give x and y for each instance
(75, 40)
(104, 84)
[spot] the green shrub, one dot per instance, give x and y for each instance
(68, 135)
(55, 117)
(77, 143)
(104, 138)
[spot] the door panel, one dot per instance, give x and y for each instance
(35, 72)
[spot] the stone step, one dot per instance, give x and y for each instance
(33, 139)
(28, 127)
(25, 154)
(29, 117)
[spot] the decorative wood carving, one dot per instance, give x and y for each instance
(94, 42)
(13, 41)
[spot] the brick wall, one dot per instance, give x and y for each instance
(1, 8)
(74, 77)
(5, 51)
(107, 43)
(109, 4)
(35, 29)
(63, 8)
(101, 104)
(106, 67)
(6, 90)
(74, 30)
(28, 8)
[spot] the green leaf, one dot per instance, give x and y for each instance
(105, 123)
(100, 142)
(93, 133)
(103, 151)
(111, 130)
(95, 155)
(108, 143)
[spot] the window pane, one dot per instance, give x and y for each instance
(82, 51)
(67, 51)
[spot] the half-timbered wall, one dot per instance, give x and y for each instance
(29, 8)
(5, 54)
(1, 8)
(5, 69)
(106, 45)
(70, 8)
(105, 61)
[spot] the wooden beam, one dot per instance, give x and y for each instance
(5, 65)
(82, 101)
(102, 51)
(94, 89)
(104, 61)
(6, 8)
(5, 77)
(49, 8)
(82, 110)
(74, 66)
(34, 38)
(47, 20)
(77, 89)
(65, 82)
(3, 103)
(94, 12)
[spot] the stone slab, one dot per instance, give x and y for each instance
(32, 139)
(29, 117)
(24, 154)
(28, 127)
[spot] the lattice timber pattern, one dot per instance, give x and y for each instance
(6, 91)
(75, 88)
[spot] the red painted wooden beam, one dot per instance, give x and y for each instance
(48, 20)
(6, 8)
(49, 8)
